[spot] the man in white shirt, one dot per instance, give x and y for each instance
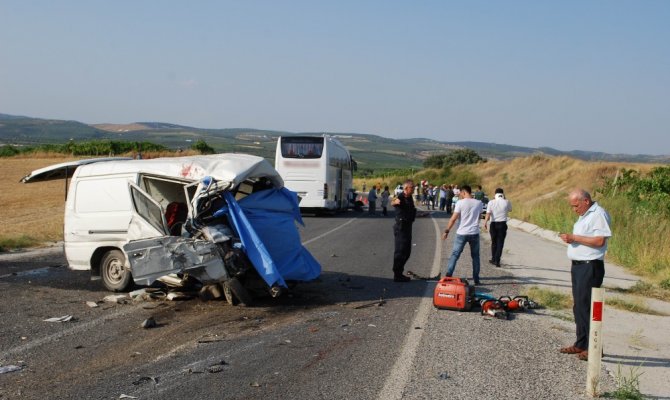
(468, 210)
(586, 250)
(372, 200)
(497, 211)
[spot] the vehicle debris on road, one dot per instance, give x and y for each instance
(145, 379)
(149, 323)
(116, 298)
(64, 318)
(10, 368)
(218, 367)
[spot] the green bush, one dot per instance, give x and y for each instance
(91, 148)
(202, 147)
(649, 194)
(454, 158)
(8, 151)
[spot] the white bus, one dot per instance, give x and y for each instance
(319, 168)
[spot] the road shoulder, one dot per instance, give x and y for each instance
(635, 343)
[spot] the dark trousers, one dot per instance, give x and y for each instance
(403, 247)
(584, 277)
(498, 233)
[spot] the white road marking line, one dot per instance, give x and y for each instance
(397, 379)
(328, 233)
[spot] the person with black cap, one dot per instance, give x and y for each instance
(497, 211)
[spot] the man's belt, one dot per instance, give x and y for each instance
(578, 262)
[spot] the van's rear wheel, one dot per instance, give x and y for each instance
(114, 274)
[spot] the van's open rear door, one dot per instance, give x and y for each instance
(63, 170)
(148, 219)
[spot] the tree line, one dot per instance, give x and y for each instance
(98, 148)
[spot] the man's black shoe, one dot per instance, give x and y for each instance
(492, 262)
(478, 283)
(498, 265)
(401, 278)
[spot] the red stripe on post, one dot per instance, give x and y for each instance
(597, 311)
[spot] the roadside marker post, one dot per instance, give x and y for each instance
(595, 341)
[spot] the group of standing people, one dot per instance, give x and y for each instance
(587, 245)
(442, 196)
(383, 197)
(468, 211)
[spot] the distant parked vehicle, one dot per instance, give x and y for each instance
(318, 168)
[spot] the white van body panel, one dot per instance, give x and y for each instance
(97, 214)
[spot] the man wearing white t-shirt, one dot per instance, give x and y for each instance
(468, 210)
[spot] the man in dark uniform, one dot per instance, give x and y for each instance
(402, 230)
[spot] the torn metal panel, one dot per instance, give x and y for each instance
(151, 259)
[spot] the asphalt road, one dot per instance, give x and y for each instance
(329, 340)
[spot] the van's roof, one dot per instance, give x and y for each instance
(233, 168)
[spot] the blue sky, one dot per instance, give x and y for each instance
(573, 75)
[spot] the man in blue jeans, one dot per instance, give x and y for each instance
(468, 210)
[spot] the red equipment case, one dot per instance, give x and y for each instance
(453, 294)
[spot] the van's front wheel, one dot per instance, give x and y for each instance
(114, 274)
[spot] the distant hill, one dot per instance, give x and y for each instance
(371, 151)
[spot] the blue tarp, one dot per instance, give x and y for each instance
(265, 222)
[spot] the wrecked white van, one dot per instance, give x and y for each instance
(223, 218)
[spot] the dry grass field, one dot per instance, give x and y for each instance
(33, 213)
(529, 180)
(34, 210)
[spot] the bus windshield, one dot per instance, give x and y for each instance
(301, 147)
